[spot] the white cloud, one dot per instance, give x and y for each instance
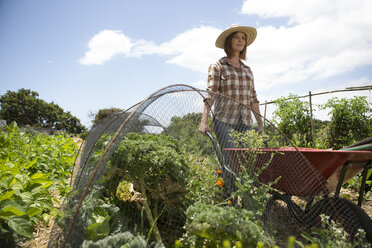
(301, 11)
(194, 49)
(322, 39)
(104, 45)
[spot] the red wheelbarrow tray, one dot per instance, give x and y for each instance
(303, 171)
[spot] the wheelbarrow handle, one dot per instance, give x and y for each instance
(218, 152)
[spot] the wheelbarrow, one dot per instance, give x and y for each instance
(309, 174)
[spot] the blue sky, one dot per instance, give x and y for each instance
(85, 55)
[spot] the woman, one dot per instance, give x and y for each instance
(230, 77)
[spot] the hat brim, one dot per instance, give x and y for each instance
(250, 34)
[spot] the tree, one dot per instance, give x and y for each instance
(103, 113)
(25, 108)
(115, 117)
(351, 121)
(22, 107)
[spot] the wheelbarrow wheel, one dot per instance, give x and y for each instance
(349, 215)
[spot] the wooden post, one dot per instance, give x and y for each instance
(311, 122)
(265, 115)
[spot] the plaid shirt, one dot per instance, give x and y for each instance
(237, 83)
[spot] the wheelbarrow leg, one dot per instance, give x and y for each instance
(341, 179)
(363, 185)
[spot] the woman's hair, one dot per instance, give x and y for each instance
(227, 47)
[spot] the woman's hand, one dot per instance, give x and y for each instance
(204, 128)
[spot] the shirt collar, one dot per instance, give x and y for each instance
(223, 61)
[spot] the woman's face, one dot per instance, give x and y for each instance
(238, 42)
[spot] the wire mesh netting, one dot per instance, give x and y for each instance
(146, 177)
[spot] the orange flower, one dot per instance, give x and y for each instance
(220, 182)
(230, 202)
(219, 172)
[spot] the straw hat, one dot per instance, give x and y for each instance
(250, 34)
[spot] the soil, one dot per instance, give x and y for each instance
(41, 236)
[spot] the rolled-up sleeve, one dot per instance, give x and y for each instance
(214, 73)
(253, 97)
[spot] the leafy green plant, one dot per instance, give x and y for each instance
(250, 138)
(350, 121)
(125, 240)
(158, 169)
(331, 234)
(210, 225)
(321, 141)
(293, 119)
(201, 183)
(252, 193)
(34, 172)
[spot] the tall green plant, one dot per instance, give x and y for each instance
(351, 121)
(293, 119)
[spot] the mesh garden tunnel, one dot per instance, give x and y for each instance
(137, 181)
